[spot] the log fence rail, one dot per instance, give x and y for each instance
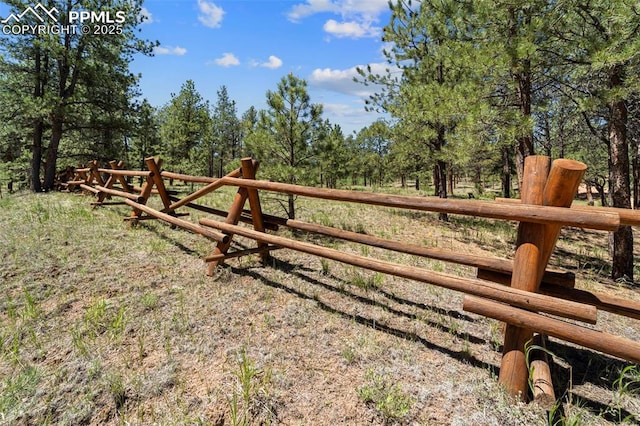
(517, 292)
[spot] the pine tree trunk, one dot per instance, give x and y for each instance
(636, 174)
(36, 156)
(620, 190)
(524, 146)
(477, 179)
(210, 163)
(291, 213)
(52, 152)
(41, 61)
(440, 181)
(602, 194)
(506, 173)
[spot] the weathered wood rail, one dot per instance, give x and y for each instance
(518, 292)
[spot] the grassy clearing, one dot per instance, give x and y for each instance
(103, 323)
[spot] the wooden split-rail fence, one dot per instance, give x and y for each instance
(520, 292)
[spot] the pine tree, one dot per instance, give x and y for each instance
(441, 80)
(185, 130)
(145, 141)
(226, 141)
(56, 78)
(285, 133)
(604, 51)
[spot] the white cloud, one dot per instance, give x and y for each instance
(351, 117)
(273, 63)
(146, 16)
(169, 50)
(227, 60)
(357, 16)
(312, 7)
(342, 81)
(342, 110)
(211, 15)
(367, 9)
(351, 29)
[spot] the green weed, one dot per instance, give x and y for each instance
(366, 282)
(386, 396)
(79, 342)
(15, 389)
(254, 389)
(117, 389)
(349, 354)
(117, 324)
(149, 301)
(95, 318)
(324, 263)
(627, 384)
(31, 310)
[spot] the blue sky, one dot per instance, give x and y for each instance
(249, 45)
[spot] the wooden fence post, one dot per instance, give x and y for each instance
(249, 168)
(154, 167)
(233, 217)
(525, 276)
(123, 181)
(147, 187)
(112, 179)
(558, 191)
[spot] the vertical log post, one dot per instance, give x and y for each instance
(154, 168)
(123, 180)
(564, 178)
(541, 382)
(147, 187)
(81, 174)
(562, 184)
(110, 181)
(233, 217)
(530, 243)
(95, 174)
(249, 168)
(559, 190)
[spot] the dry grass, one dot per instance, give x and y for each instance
(108, 324)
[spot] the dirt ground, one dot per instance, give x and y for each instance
(103, 323)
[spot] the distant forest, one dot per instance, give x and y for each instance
(471, 89)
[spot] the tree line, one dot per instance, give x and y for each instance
(471, 89)
(476, 84)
